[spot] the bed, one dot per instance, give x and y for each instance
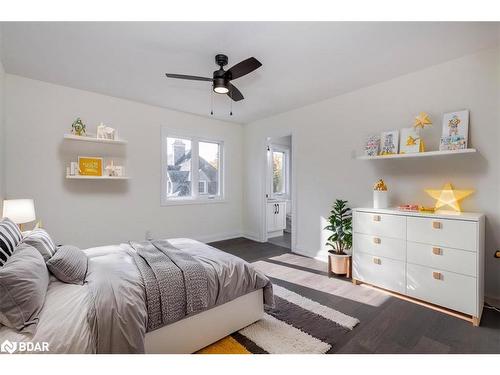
(74, 321)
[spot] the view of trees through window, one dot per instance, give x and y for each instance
(279, 186)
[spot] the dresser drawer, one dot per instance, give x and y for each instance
(459, 261)
(383, 272)
(393, 226)
(380, 246)
(448, 289)
(443, 232)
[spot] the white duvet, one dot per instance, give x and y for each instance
(63, 321)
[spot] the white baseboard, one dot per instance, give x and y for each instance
(219, 237)
(252, 237)
(323, 255)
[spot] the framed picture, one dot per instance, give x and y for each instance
(410, 141)
(372, 145)
(455, 132)
(389, 142)
(90, 166)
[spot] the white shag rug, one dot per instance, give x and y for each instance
(277, 337)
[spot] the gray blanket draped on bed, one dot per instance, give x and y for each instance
(176, 284)
(152, 284)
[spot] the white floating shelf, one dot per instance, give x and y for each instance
(417, 154)
(80, 177)
(73, 137)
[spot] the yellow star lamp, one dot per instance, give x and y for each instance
(422, 120)
(448, 196)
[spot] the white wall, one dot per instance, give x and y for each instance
(326, 134)
(87, 213)
(2, 136)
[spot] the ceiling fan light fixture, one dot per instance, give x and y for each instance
(221, 90)
(220, 86)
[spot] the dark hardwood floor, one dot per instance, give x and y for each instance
(387, 324)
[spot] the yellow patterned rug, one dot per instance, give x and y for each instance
(227, 345)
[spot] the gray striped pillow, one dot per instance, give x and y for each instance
(69, 264)
(10, 236)
(40, 240)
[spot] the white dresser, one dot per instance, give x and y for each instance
(435, 258)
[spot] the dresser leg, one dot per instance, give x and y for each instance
(356, 282)
(476, 321)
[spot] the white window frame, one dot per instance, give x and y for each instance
(286, 152)
(195, 197)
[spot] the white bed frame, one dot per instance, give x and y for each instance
(193, 333)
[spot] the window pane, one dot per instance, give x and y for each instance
(179, 167)
(209, 168)
(279, 172)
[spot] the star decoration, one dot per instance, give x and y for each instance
(422, 120)
(448, 196)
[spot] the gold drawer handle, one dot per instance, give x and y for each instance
(376, 217)
(377, 240)
(437, 251)
(436, 225)
(377, 261)
(437, 275)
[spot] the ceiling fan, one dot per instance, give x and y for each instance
(221, 81)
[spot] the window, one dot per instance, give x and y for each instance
(179, 166)
(202, 187)
(279, 170)
(191, 169)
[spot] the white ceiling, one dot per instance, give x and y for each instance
(302, 62)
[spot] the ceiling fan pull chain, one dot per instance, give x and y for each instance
(231, 109)
(212, 103)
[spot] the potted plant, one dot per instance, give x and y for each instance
(341, 239)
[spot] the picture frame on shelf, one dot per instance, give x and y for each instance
(455, 132)
(411, 142)
(389, 142)
(90, 166)
(372, 145)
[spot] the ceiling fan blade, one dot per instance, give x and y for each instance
(242, 68)
(192, 78)
(234, 93)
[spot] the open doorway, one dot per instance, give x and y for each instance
(279, 191)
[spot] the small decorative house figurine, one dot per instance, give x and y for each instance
(105, 132)
(380, 195)
(78, 127)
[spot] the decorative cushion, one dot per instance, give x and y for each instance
(69, 264)
(24, 279)
(10, 236)
(40, 240)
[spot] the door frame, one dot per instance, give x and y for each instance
(266, 183)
